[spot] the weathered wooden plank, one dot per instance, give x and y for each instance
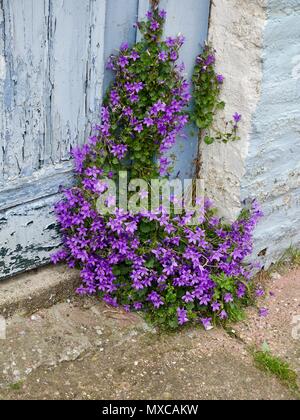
(69, 51)
(74, 66)
(28, 236)
(2, 80)
(24, 37)
(95, 65)
(41, 184)
(120, 18)
(84, 99)
(190, 18)
(143, 7)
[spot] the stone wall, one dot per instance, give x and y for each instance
(258, 47)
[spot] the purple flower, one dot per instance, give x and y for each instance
(111, 301)
(188, 297)
(59, 256)
(149, 14)
(170, 42)
(220, 78)
(123, 61)
(148, 122)
(180, 40)
(124, 46)
(182, 316)
(223, 315)
(163, 56)
(164, 164)
(134, 56)
(215, 306)
(241, 291)
(206, 322)
(155, 299)
(110, 64)
(263, 312)
(162, 14)
(138, 306)
(138, 86)
(157, 107)
(128, 112)
(173, 55)
(133, 98)
(79, 154)
(139, 128)
(143, 194)
(115, 98)
(237, 117)
(210, 60)
(119, 150)
(111, 201)
(204, 300)
(260, 293)
(154, 25)
(228, 298)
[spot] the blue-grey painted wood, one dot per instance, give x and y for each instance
(28, 236)
(52, 76)
(120, 18)
(190, 18)
(52, 59)
(41, 185)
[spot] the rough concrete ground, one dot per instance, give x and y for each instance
(82, 349)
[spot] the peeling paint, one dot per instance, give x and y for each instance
(47, 47)
(52, 67)
(2, 67)
(31, 244)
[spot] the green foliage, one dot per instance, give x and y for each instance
(160, 79)
(290, 259)
(166, 264)
(276, 366)
(16, 386)
(207, 86)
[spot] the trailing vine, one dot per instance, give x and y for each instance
(207, 86)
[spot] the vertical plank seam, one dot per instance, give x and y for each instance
(48, 134)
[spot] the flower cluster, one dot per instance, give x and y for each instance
(154, 261)
(145, 108)
(207, 89)
(157, 262)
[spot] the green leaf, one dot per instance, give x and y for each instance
(145, 227)
(199, 123)
(150, 263)
(209, 140)
(173, 324)
(221, 105)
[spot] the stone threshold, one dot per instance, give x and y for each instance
(36, 289)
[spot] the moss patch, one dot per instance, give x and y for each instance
(277, 367)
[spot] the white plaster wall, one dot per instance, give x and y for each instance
(273, 159)
(236, 32)
(258, 50)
